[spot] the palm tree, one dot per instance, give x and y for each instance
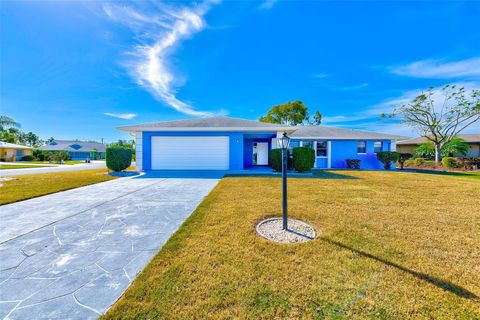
(7, 122)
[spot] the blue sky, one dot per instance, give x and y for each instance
(79, 69)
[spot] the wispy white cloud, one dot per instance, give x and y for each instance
(126, 116)
(321, 75)
(438, 69)
(160, 29)
(267, 4)
(355, 87)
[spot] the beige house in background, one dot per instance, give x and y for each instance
(13, 152)
(409, 146)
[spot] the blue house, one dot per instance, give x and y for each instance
(76, 149)
(224, 143)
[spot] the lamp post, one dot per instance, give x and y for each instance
(284, 143)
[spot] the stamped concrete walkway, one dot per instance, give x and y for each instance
(70, 255)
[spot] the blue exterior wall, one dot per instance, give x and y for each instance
(82, 155)
(241, 147)
(347, 149)
(341, 150)
(237, 149)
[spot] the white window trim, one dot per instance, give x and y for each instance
(365, 147)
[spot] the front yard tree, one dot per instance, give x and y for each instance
(7, 122)
(290, 113)
(439, 115)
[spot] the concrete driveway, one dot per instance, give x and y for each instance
(70, 255)
(60, 168)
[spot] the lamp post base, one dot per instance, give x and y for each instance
(298, 231)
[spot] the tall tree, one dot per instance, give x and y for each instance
(290, 113)
(7, 122)
(439, 115)
(32, 139)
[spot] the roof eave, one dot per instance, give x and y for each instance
(206, 129)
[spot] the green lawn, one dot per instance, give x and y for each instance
(33, 185)
(390, 246)
(18, 166)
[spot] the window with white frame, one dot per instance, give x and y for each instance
(361, 147)
(377, 146)
(321, 148)
(308, 144)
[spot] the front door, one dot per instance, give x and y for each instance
(260, 153)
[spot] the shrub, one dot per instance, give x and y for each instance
(118, 158)
(353, 163)
(27, 158)
(275, 159)
(387, 157)
(303, 159)
(39, 155)
(57, 156)
(418, 161)
(403, 158)
(449, 162)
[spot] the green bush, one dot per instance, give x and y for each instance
(118, 158)
(303, 159)
(449, 162)
(418, 161)
(275, 160)
(40, 155)
(27, 158)
(387, 157)
(403, 158)
(353, 163)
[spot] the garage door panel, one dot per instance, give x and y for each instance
(206, 153)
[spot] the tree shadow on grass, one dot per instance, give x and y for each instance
(444, 285)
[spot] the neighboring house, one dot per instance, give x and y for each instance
(223, 143)
(409, 146)
(13, 152)
(77, 150)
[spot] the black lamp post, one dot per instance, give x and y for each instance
(284, 143)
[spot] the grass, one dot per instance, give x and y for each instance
(19, 166)
(390, 246)
(33, 185)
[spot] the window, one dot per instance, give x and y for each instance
(361, 147)
(377, 146)
(75, 146)
(321, 148)
(294, 144)
(308, 144)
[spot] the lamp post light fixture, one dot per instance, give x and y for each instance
(284, 144)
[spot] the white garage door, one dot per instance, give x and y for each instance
(206, 153)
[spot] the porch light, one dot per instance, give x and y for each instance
(284, 144)
(284, 141)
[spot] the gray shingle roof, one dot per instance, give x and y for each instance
(212, 122)
(471, 138)
(230, 124)
(66, 145)
(326, 132)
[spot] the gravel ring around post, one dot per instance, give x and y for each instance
(298, 231)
